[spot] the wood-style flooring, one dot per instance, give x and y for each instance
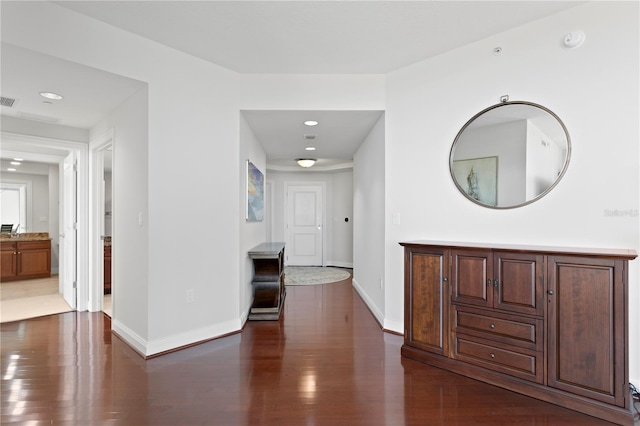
(326, 362)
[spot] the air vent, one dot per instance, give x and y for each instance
(310, 137)
(8, 102)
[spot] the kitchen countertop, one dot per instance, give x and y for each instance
(27, 236)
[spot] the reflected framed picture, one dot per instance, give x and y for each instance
(255, 194)
(478, 177)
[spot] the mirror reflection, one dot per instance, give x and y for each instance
(510, 154)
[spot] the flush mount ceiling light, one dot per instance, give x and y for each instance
(306, 162)
(310, 148)
(51, 95)
(310, 123)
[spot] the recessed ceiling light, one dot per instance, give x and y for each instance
(51, 95)
(310, 148)
(16, 163)
(310, 123)
(19, 159)
(11, 169)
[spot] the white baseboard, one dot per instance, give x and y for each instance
(367, 300)
(129, 336)
(395, 326)
(340, 264)
(149, 348)
(192, 336)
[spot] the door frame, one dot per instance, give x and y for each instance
(323, 197)
(37, 148)
(96, 214)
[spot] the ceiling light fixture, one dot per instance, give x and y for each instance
(19, 159)
(310, 123)
(310, 148)
(51, 95)
(306, 162)
(16, 163)
(11, 169)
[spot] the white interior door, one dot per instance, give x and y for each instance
(304, 225)
(68, 238)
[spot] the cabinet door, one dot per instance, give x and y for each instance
(586, 338)
(472, 277)
(8, 261)
(34, 262)
(518, 282)
(427, 300)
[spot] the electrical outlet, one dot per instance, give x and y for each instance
(189, 296)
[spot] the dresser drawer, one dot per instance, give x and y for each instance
(516, 362)
(524, 332)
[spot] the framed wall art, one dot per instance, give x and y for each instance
(478, 177)
(255, 193)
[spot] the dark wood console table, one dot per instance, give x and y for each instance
(268, 281)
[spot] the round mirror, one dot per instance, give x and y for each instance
(510, 154)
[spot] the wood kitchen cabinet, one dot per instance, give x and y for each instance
(547, 322)
(107, 270)
(22, 260)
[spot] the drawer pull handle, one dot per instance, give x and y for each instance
(492, 355)
(492, 326)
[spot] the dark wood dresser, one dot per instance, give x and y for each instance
(548, 322)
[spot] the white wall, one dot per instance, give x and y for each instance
(593, 89)
(341, 230)
(156, 266)
(54, 217)
(130, 240)
(154, 263)
(337, 205)
(251, 233)
(369, 221)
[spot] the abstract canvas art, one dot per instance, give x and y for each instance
(255, 193)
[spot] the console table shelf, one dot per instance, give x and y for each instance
(268, 281)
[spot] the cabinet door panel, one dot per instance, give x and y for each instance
(472, 277)
(34, 262)
(586, 319)
(7, 263)
(428, 324)
(520, 280)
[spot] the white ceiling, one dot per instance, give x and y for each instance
(316, 37)
(336, 37)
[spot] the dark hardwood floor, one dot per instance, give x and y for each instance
(326, 362)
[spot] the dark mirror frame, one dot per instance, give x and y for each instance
(491, 108)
